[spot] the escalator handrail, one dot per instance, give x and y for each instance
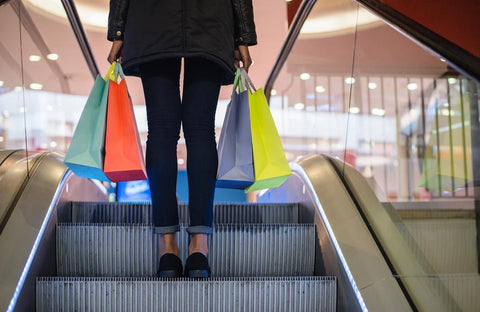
(297, 24)
(79, 32)
(459, 58)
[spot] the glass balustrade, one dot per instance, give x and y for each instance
(356, 89)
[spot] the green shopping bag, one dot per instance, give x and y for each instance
(270, 165)
(86, 152)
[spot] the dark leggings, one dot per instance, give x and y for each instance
(196, 111)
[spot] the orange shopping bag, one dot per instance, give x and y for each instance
(123, 151)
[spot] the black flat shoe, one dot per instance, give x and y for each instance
(197, 266)
(170, 266)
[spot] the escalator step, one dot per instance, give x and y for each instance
(141, 213)
(235, 250)
(215, 294)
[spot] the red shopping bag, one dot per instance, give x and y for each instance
(123, 152)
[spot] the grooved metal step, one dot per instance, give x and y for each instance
(216, 294)
(141, 213)
(235, 250)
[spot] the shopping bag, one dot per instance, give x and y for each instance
(270, 165)
(86, 152)
(123, 152)
(235, 164)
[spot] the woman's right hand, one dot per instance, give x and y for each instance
(116, 52)
(242, 54)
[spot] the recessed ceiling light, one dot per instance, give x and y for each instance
(442, 60)
(412, 86)
(273, 92)
(52, 56)
(34, 58)
(53, 144)
(452, 80)
(299, 106)
(372, 85)
(320, 89)
(36, 86)
(447, 112)
(378, 111)
(1, 83)
(181, 161)
(349, 80)
(17, 88)
(354, 110)
(305, 76)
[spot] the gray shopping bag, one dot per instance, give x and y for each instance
(235, 161)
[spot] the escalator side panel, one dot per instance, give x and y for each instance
(348, 250)
(13, 174)
(31, 228)
(391, 240)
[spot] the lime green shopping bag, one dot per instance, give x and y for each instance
(270, 165)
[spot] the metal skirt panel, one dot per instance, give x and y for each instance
(235, 250)
(216, 294)
(141, 213)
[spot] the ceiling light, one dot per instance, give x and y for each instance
(181, 161)
(372, 85)
(320, 89)
(299, 106)
(412, 86)
(349, 80)
(273, 92)
(18, 88)
(52, 56)
(1, 83)
(452, 80)
(22, 109)
(354, 110)
(442, 60)
(378, 111)
(1, 138)
(35, 58)
(445, 104)
(53, 144)
(36, 86)
(447, 112)
(305, 76)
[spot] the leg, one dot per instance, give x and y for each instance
(161, 87)
(202, 83)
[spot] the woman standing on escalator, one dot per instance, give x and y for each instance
(150, 37)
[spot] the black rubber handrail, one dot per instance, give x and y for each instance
(79, 32)
(297, 24)
(460, 59)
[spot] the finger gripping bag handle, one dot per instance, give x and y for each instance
(110, 71)
(248, 82)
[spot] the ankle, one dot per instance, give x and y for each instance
(168, 244)
(198, 243)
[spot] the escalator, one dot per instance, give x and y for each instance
(326, 240)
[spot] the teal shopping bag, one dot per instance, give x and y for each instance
(86, 152)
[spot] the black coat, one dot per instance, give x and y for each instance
(154, 29)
